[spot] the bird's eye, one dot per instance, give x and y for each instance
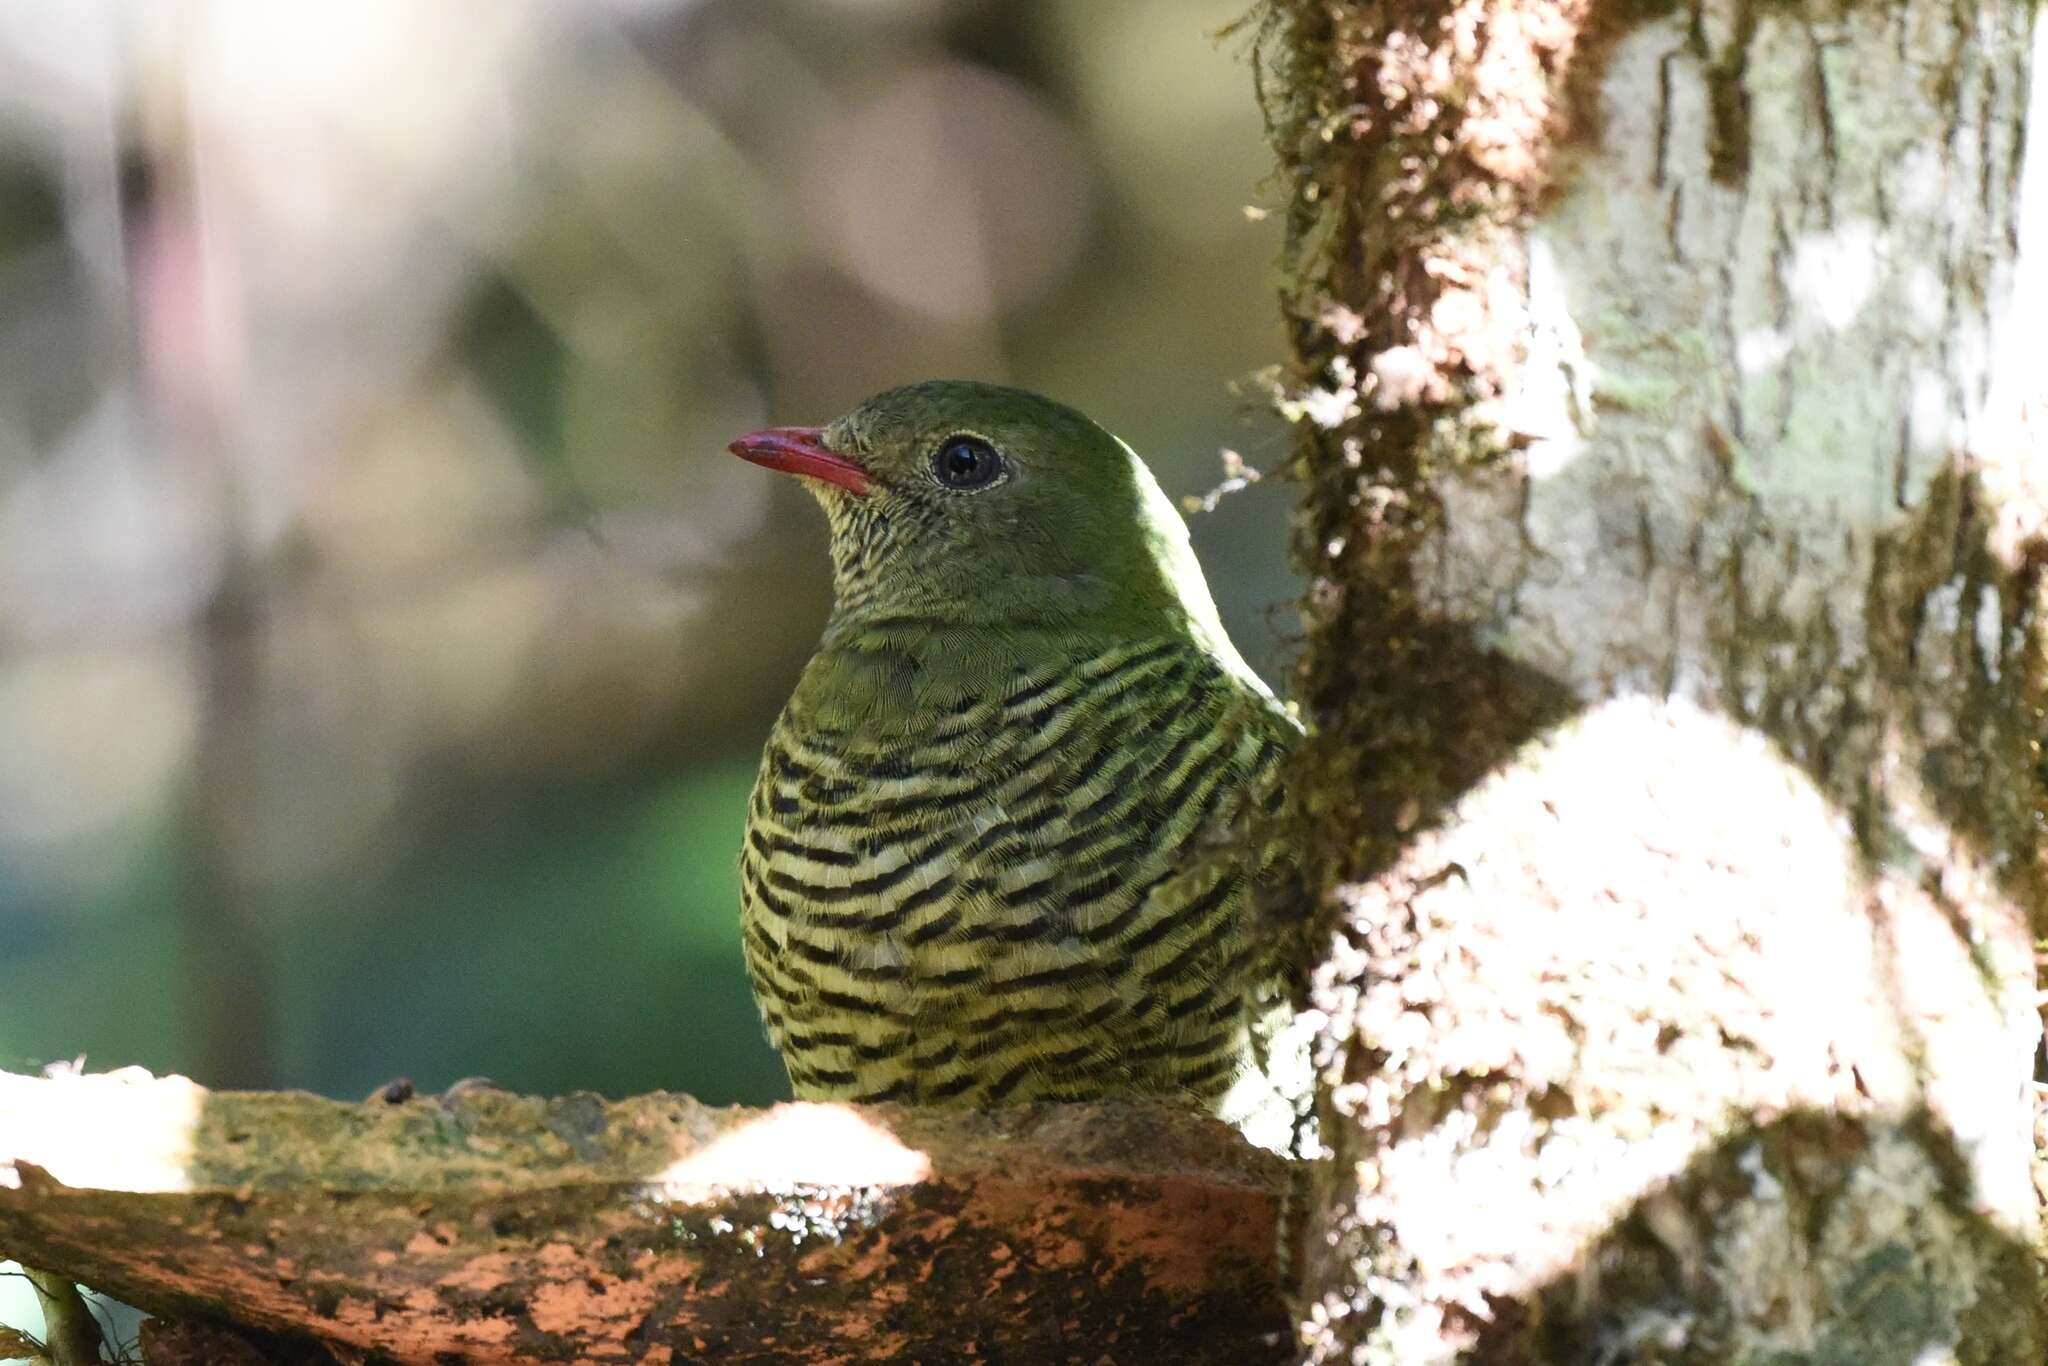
(967, 463)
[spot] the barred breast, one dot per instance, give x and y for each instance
(1037, 890)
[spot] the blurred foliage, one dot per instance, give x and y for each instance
(385, 639)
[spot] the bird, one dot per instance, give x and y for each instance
(1011, 838)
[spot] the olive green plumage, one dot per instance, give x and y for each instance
(1000, 848)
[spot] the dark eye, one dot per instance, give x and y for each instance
(967, 462)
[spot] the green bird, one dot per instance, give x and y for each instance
(1002, 845)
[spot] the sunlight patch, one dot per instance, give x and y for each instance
(99, 1133)
(1832, 274)
(822, 1145)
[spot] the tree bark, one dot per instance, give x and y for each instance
(1675, 671)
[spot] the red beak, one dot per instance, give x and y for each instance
(801, 450)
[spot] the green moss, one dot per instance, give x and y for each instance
(1635, 393)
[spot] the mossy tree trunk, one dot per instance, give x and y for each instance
(1675, 662)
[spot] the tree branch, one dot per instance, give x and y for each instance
(512, 1228)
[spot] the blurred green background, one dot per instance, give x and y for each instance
(386, 641)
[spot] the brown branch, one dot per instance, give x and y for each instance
(511, 1228)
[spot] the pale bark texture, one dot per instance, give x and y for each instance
(501, 1229)
(1674, 668)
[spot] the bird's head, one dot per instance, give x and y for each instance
(972, 503)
